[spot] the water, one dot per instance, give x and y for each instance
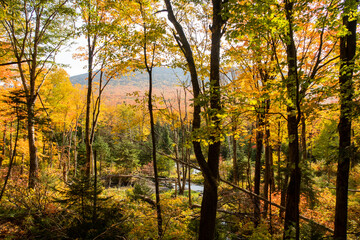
(194, 187)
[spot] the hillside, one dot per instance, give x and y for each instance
(166, 82)
(162, 77)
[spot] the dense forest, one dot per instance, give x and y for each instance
(196, 119)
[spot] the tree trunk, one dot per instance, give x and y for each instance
(189, 177)
(94, 217)
(272, 172)
(69, 152)
(176, 151)
(293, 190)
(34, 165)
(10, 140)
(279, 168)
(283, 189)
(183, 158)
(75, 147)
(4, 145)
(88, 166)
(149, 68)
(22, 164)
(259, 147)
(267, 174)
(347, 54)
(248, 169)
(208, 211)
(210, 197)
(157, 191)
(303, 138)
(210, 168)
(91, 43)
(291, 225)
(235, 165)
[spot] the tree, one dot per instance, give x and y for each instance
(36, 30)
(62, 103)
(299, 81)
(151, 33)
(209, 168)
(347, 64)
(15, 99)
(99, 31)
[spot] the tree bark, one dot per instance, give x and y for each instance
(149, 68)
(210, 197)
(4, 145)
(34, 165)
(75, 147)
(291, 224)
(293, 189)
(210, 168)
(157, 192)
(347, 54)
(235, 164)
(248, 169)
(10, 140)
(303, 138)
(267, 174)
(91, 44)
(87, 118)
(257, 178)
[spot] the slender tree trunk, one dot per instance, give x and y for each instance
(303, 138)
(94, 217)
(272, 172)
(157, 191)
(34, 165)
(10, 140)
(12, 157)
(75, 147)
(267, 175)
(69, 152)
(4, 145)
(63, 155)
(189, 177)
(91, 41)
(279, 169)
(22, 164)
(259, 147)
(284, 188)
(248, 170)
(183, 153)
(347, 54)
(87, 124)
(149, 68)
(235, 164)
(44, 147)
(176, 151)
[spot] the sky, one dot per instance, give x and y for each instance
(65, 56)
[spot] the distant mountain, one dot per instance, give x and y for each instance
(166, 82)
(162, 77)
